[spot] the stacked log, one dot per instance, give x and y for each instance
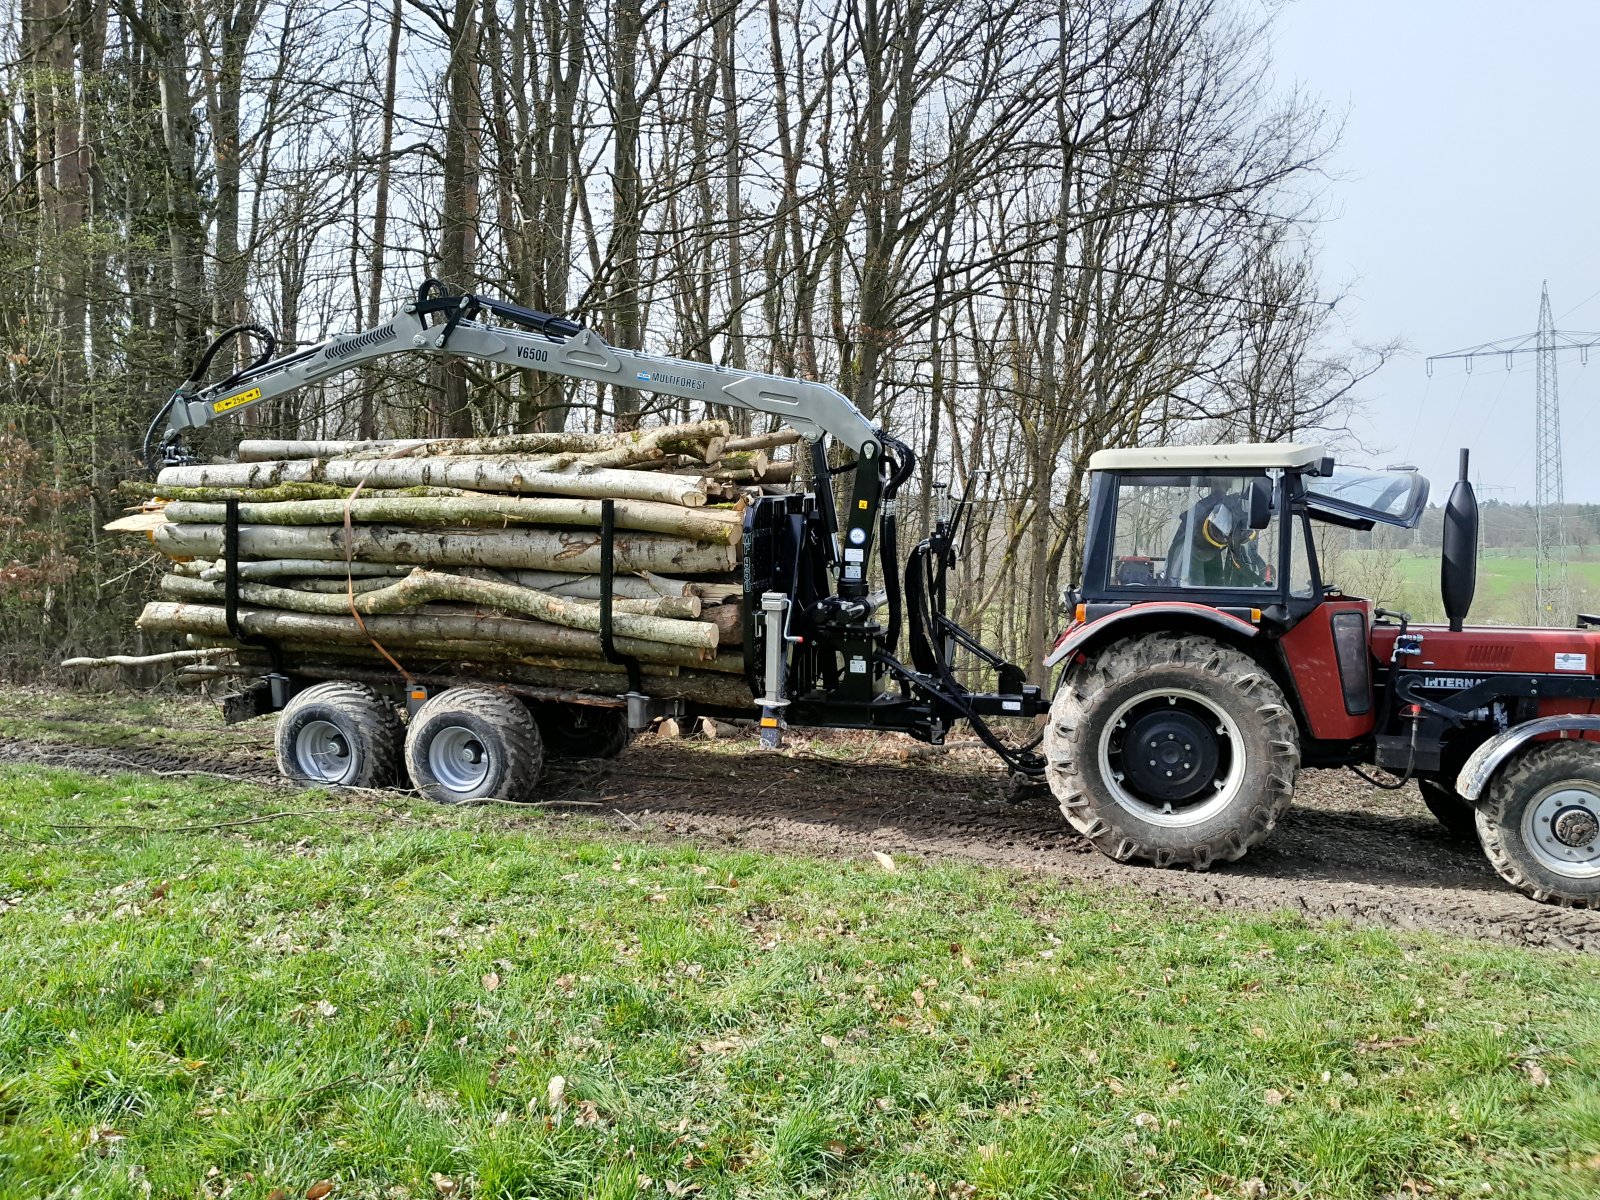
(471, 558)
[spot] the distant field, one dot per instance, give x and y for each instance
(1410, 580)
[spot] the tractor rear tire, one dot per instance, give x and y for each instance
(341, 734)
(1216, 726)
(1539, 822)
(1458, 816)
(581, 731)
(474, 743)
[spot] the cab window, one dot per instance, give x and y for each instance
(1301, 584)
(1191, 531)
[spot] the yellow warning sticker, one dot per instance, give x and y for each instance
(861, 503)
(223, 405)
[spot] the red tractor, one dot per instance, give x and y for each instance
(1209, 660)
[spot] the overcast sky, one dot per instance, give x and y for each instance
(1470, 175)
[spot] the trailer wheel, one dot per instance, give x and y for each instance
(1458, 816)
(1172, 749)
(582, 730)
(1539, 822)
(342, 734)
(474, 743)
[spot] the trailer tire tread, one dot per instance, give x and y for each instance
(369, 723)
(505, 726)
(1072, 755)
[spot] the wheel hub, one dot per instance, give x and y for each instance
(323, 752)
(1561, 828)
(458, 759)
(1172, 756)
(1575, 826)
(1169, 753)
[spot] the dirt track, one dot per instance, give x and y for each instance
(1345, 850)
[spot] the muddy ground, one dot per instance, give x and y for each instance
(1345, 850)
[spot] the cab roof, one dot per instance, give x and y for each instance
(1301, 456)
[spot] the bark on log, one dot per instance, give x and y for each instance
(280, 493)
(476, 474)
(648, 602)
(427, 587)
(729, 620)
(273, 568)
(701, 687)
(326, 587)
(762, 441)
(535, 549)
(146, 660)
(541, 444)
(462, 656)
(640, 586)
(702, 525)
(454, 634)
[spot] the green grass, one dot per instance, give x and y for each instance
(375, 993)
(1505, 591)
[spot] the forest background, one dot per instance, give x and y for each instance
(1013, 232)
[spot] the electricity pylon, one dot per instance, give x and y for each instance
(1550, 551)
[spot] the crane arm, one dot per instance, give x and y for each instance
(549, 345)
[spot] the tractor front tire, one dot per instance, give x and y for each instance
(342, 734)
(1172, 749)
(1539, 822)
(1458, 816)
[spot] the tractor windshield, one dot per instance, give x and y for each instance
(1358, 497)
(1193, 531)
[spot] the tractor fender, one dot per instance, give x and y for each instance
(1169, 614)
(1489, 757)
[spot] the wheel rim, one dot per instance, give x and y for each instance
(458, 759)
(1172, 757)
(322, 751)
(1561, 828)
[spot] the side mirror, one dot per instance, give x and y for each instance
(1260, 502)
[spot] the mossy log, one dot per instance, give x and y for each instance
(642, 585)
(281, 493)
(703, 525)
(762, 441)
(428, 587)
(535, 549)
(452, 635)
(274, 568)
(699, 687)
(699, 434)
(515, 475)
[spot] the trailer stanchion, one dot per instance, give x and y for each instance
(774, 613)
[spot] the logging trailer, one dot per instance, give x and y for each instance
(1206, 659)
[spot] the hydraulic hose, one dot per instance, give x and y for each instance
(269, 345)
(903, 462)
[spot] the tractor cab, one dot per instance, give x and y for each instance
(1227, 527)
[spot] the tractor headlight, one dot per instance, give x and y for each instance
(1355, 672)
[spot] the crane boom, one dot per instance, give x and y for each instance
(552, 347)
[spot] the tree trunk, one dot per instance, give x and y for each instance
(458, 252)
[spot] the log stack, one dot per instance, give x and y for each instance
(472, 557)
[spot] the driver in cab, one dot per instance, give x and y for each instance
(1214, 540)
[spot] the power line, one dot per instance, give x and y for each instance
(1549, 491)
